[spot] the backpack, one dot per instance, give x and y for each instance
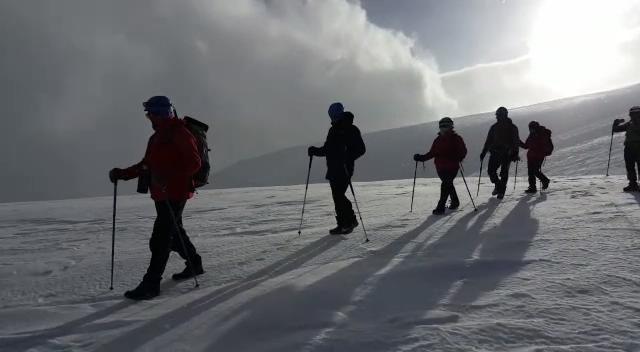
(549, 144)
(199, 130)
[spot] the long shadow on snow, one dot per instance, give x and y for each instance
(87, 324)
(402, 299)
(170, 320)
(502, 253)
(286, 319)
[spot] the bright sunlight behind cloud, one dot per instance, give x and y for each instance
(576, 47)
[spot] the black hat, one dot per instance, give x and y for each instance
(445, 122)
(158, 105)
(502, 112)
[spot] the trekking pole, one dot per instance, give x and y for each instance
(515, 178)
(610, 147)
(467, 186)
(184, 247)
(541, 165)
(479, 177)
(366, 238)
(113, 230)
(304, 202)
(415, 174)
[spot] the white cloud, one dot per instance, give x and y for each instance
(263, 72)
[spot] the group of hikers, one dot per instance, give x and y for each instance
(503, 144)
(174, 156)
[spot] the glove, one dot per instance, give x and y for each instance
(311, 151)
(115, 175)
(482, 155)
(417, 157)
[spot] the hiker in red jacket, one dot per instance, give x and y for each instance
(539, 146)
(167, 169)
(448, 150)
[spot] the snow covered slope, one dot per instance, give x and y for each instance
(581, 132)
(550, 272)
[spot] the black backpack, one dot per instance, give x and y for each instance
(199, 131)
(549, 146)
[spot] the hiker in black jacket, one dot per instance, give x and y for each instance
(631, 146)
(343, 146)
(503, 142)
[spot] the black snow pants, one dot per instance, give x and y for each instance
(631, 159)
(502, 161)
(534, 167)
(164, 239)
(344, 210)
(447, 189)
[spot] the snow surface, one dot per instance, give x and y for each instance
(550, 272)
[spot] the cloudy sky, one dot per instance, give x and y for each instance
(262, 72)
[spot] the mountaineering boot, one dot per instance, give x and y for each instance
(632, 187)
(495, 190)
(438, 211)
(545, 184)
(502, 189)
(338, 229)
(531, 190)
(147, 289)
(347, 229)
(455, 204)
(188, 273)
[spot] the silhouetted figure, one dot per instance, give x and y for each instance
(448, 150)
(168, 166)
(503, 143)
(343, 146)
(631, 146)
(539, 146)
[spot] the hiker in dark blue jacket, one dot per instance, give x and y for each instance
(343, 146)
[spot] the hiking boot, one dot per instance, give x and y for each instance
(454, 205)
(632, 187)
(545, 184)
(188, 273)
(438, 211)
(338, 229)
(145, 290)
(495, 191)
(500, 195)
(347, 229)
(531, 190)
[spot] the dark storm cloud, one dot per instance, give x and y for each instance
(75, 73)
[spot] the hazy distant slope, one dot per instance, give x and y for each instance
(581, 132)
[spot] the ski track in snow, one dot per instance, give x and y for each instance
(555, 271)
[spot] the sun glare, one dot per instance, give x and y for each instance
(575, 43)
